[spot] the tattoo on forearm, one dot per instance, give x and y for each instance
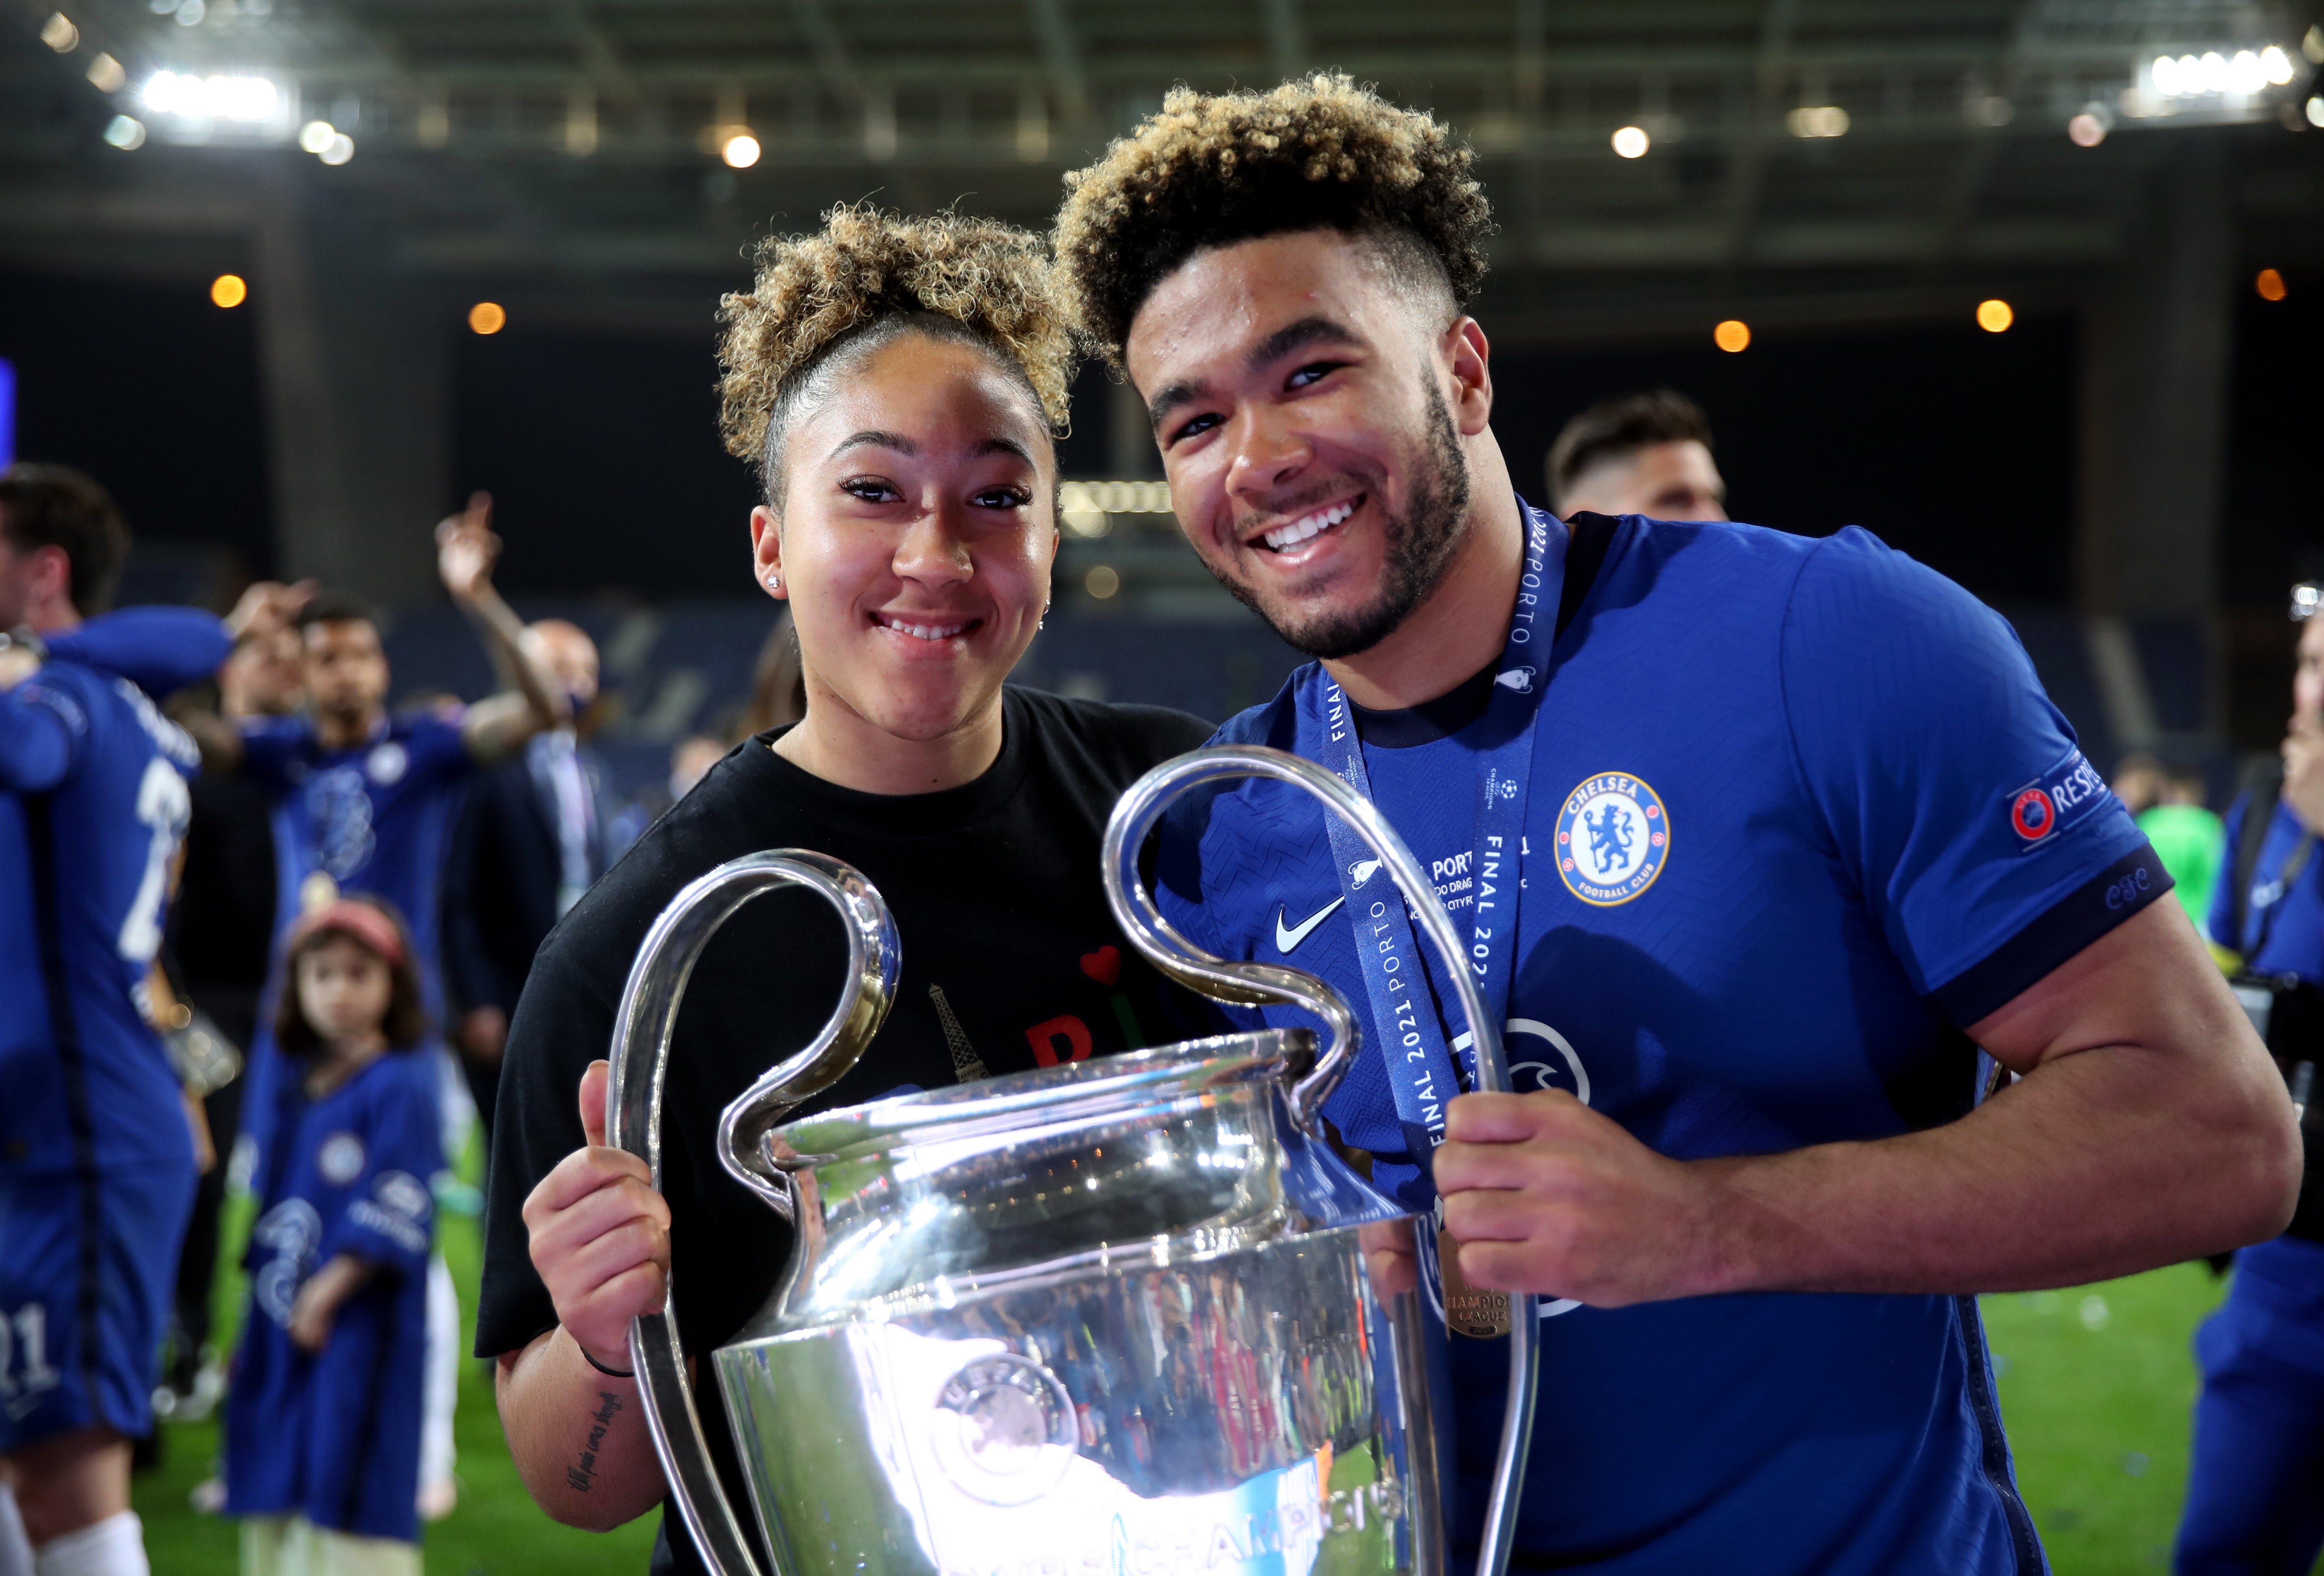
(579, 1477)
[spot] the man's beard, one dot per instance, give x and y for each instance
(1421, 542)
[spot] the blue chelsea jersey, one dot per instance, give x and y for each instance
(335, 1436)
(373, 818)
(1799, 813)
(94, 809)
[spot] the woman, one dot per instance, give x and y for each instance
(898, 385)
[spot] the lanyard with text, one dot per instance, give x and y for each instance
(1405, 1025)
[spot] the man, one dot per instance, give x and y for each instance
(96, 1160)
(1788, 830)
(2252, 1489)
(1641, 454)
(221, 940)
(534, 835)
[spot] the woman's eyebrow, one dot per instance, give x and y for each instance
(1002, 445)
(893, 440)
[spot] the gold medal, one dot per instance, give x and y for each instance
(1470, 1311)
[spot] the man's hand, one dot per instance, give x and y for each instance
(317, 1306)
(466, 550)
(2303, 770)
(1548, 1196)
(266, 607)
(599, 1236)
(483, 1033)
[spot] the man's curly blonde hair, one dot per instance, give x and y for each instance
(969, 279)
(1212, 168)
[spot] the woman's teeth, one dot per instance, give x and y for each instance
(1307, 526)
(924, 631)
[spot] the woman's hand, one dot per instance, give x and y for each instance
(317, 1306)
(599, 1236)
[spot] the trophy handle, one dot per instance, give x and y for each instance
(1251, 983)
(641, 1057)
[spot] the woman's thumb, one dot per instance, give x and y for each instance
(594, 1081)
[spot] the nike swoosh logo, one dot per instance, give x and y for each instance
(1287, 940)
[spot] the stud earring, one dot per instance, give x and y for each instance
(775, 581)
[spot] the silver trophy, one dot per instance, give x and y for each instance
(1104, 1319)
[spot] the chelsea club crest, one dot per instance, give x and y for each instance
(1613, 838)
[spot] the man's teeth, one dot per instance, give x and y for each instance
(1309, 525)
(925, 631)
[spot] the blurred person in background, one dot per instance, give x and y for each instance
(2256, 1486)
(898, 385)
(97, 1153)
(536, 832)
(1638, 453)
(778, 683)
(691, 761)
(2188, 838)
(221, 936)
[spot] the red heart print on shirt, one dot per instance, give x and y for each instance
(1103, 966)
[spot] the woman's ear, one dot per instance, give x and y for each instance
(767, 551)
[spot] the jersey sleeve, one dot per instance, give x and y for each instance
(392, 1218)
(440, 752)
(563, 1020)
(43, 729)
(1985, 846)
(159, 649)
(277, 750)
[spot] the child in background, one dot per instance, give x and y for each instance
(323, 1421)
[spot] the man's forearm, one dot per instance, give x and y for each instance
(579, 1437)
(2094, 1166)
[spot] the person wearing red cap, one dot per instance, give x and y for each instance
(323, 1423)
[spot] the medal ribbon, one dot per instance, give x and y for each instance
(1420, 1066)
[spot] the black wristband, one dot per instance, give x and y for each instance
(610, 1373)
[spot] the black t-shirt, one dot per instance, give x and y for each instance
(1010, 961)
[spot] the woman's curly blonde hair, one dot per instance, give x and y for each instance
(986, 281)
(1212, 168)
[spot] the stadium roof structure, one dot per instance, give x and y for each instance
(1841, 159)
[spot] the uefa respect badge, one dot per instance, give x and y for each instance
(1613, 838)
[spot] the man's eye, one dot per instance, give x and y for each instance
(1195, 426)
(1314, 373)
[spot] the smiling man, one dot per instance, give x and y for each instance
(1756, 838)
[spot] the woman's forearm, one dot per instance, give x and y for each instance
(578, 1436)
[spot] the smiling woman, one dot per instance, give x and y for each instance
(898, 384)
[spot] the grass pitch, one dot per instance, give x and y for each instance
(2097, 1387)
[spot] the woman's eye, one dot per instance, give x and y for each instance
(871, 489)
(1002, 497)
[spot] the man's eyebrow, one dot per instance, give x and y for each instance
(895, 440)
(1290, 337)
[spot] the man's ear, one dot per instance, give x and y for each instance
(1468, 357)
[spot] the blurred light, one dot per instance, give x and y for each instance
(433, 127)
(1995, 316)
(2312, 44)
(1103, 581)
(1632, 141)
(1991, 109)
(2212, 72)
(2276, 65)
(242, 99)
(105, 75)
(1732, 334)
(190, 13)
(342, 149)
(2164, 74)
(2306, 598)
(741, 150)
(125, 132)
(1818, 120)
(316, 135)
(228, 289)
(2245, 74)
(2087, 130)
(2270, 285)
(59, 35)
(487, 318)
(2316, 111)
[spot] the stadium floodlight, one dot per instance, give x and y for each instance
(315, 136)
(237, 100)
(2218, 73)
(1632, 141)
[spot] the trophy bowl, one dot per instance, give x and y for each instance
(1110, 1318)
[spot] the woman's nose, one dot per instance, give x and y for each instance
(933, 550)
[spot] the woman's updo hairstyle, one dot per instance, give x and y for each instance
(818, 301)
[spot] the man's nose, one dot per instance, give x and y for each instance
(1268, 450)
